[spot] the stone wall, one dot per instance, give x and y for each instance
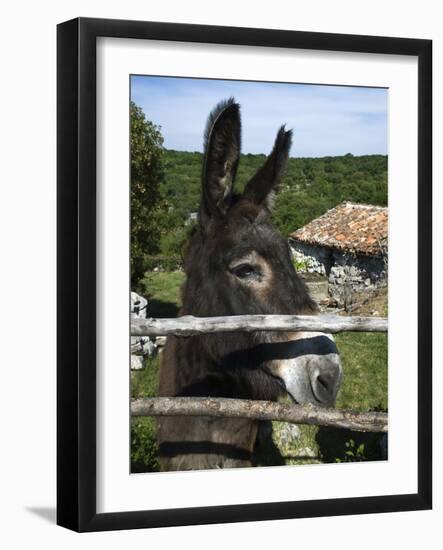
(346, 272)
(310, 258)
(353, 273)
(317, 285)
(143, 344)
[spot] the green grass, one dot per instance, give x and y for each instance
(364, 388)
(144, 381)
(162, 290)
(365, 358)
(143, 441)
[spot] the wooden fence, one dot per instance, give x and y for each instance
(260, 410)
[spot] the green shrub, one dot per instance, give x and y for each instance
(173, 241)
(144, 449)
(146, 175)
(300, 265)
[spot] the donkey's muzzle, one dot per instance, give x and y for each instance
(325, 374)
(310, 368)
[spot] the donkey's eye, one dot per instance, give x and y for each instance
(245, 271)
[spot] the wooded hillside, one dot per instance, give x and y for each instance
(311, 185)
(166, 188)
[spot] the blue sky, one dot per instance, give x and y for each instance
(326, 120)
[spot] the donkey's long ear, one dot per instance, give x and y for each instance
(221, 156)
(261, 188)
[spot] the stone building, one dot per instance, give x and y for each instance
(348, 245)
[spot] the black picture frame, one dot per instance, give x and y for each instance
(76, 265)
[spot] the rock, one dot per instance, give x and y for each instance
(308, 452)
(136, 362)
(139, 306)
(318, 289)
(288, 434)
(142, 344)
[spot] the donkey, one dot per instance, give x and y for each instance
(237, 263)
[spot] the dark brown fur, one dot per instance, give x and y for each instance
(230, 227)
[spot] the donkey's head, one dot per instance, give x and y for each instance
(237, 263)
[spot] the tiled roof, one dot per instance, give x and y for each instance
(358, 228)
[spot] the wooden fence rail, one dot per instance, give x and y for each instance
(260, 410)
(189, 325)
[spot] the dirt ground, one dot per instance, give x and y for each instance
(369, 303)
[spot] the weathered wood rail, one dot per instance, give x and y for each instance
(260, 410)
(189, 325)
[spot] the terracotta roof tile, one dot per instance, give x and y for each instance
(359, 228)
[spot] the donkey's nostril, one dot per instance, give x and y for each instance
(323, 382)
(325, 378)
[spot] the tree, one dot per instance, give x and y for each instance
(146, 176)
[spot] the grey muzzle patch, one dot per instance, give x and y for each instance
(310, 369)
